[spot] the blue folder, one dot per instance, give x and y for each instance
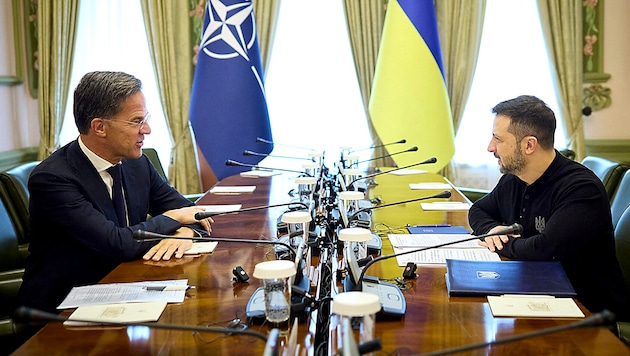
(482, 278)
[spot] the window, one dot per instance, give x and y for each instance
(312, 91)
(513, 60)
(111, 37)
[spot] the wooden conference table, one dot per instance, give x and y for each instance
(432, 322)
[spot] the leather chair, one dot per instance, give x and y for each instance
(622, 246)
(11, 334)
(16, 196)
(608, 171)
(152, 155)
(621, 199)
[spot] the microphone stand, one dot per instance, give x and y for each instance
(604, 317)
(428, 161)
(412, 149)
(27, 314)
(251, 153)
(204, 214)
(230, 162)
(444, 194)
(377, 146)
(141, 235)
(262, 140)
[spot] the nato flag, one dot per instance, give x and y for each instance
(228, 110)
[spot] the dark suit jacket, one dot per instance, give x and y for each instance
(74, 235)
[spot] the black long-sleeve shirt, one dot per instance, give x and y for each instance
(566, 217)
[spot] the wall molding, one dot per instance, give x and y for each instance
(11, 158)
(618, 150)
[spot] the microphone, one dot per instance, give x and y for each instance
(514, 229)
(230, 162)
(29, 314)
(262, 140)
(200, 215)
(142, 235)
(252, 153)
(412, 149)
(377, 146)
(444, 194)
(427, 161)
(603, 318)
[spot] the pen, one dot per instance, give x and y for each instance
(435, 225)
(167, 288)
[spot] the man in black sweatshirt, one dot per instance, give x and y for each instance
(561, 204)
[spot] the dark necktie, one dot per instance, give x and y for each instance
(117, 195)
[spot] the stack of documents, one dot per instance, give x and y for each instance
(123, 302)
(259, 173)
(430, 186)
(238, 189)
(533, 306)
(435, 236)
(445, 205)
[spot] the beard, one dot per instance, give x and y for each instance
(515, 164)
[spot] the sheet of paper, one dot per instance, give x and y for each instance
(124, 293)
(201, 247)
(430, 185)
(427, 240)
(529, 306)
(448, 205)
(224, 189)
(438, 256)
(259, 173)
(406, 172)
(221, 208)
(116, 313)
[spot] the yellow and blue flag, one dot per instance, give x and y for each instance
(409, 98)
(228, 110)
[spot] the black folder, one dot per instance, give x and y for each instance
(482, 278)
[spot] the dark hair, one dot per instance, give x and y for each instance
(529, 116)
(100, 94)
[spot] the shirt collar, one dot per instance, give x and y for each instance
(98, 163)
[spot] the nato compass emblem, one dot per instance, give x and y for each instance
(231, 32)
(487, 275)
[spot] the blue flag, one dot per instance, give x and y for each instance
(228, 110)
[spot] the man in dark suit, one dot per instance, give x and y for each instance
(78, 231)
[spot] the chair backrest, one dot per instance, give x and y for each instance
(608, 171)
(621, 199)
(622, 245)
(9, 252)
(15, 183)
(10, 271)
(152, 155)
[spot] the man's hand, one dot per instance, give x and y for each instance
(168, 248)
(187, 216)
(496, 242)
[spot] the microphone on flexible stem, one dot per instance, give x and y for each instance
(377, 146)
(252, 153)
(230, 162)
(602, 318)
(412, 149)
(514, 229)
(141, 235)
(200, 215)
(262, 140)
(444, 194)
(29, 314)
(427, 161)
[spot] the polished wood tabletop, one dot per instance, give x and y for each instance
(432, 322)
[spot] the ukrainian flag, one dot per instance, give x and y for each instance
(409, 98)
